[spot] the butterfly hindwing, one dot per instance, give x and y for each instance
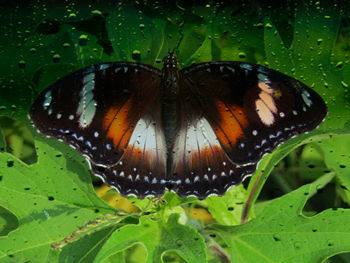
(200, 165)
(253, 109)
(141, 170)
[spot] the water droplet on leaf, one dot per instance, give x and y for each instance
(56, 58)
(242, 55)
(22, 64)
(136, 55)
(83, 39)
(344, 84)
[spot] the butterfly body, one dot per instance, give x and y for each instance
(196, 131)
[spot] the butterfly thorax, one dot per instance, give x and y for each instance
(169, 97)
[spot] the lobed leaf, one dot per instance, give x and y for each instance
(51, 199)
(281, 233)
(158, 238)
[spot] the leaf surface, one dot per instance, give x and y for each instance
(281, 233)
(51, 199)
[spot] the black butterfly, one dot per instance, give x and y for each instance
(196, 131)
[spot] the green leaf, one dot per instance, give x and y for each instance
(157, 237)
(227, 209)
(136, 37)
(336, 156)
(51, 199)
(307, 60)
(277, 55)
(281, 233)
(268, 163)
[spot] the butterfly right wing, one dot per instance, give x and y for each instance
(200, 165)
(253, 109)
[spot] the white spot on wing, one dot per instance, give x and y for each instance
(306, 97)
(47, 100)
(103, 66)
(149, 138)
(246, 66)
(87, 104)
(262, 77)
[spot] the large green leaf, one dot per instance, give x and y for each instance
(157, 237)
(308, 67)
(281, 233)
(51, 199)
(336, 156)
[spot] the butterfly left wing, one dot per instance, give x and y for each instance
(109, 113)
(142, 167)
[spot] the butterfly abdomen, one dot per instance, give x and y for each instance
(170, 107)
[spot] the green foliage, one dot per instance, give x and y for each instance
(46, 195)
(282, 234)
(157, 237)
(51, 199)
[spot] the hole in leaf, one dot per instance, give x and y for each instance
(18, 140)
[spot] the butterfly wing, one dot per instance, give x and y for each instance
(253, 109)
(103, 111)
(232, 114)
(200, 165)
(141, 169)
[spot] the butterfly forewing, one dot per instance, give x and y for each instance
(95, 109)
(253, 109)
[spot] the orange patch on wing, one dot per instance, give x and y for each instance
(208, 156)
(116, 124)
(132, 154)
(232, 122)
(135, 156)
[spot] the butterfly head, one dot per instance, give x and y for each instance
(170, 61)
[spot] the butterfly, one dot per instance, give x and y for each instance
(195, 131)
